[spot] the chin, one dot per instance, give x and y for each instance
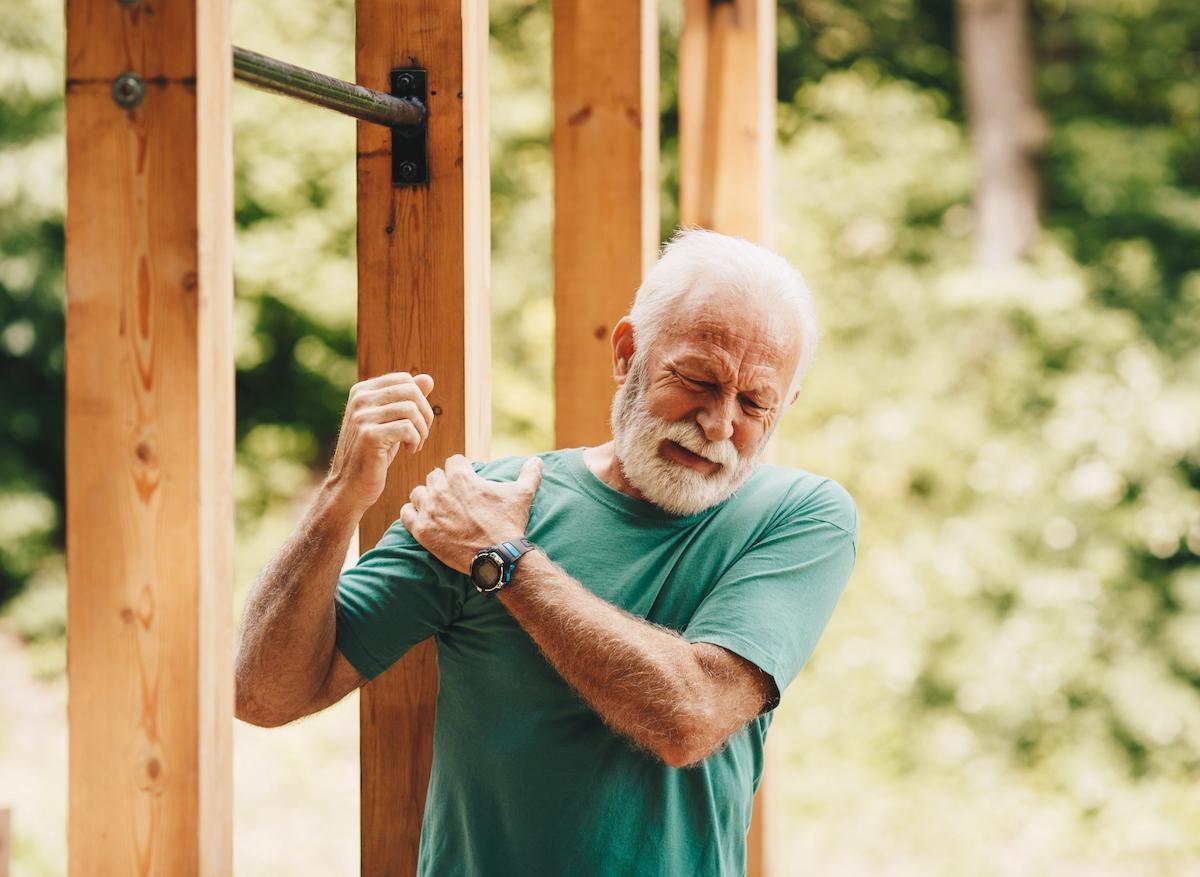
(681, 490)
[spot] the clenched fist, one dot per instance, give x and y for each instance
(383, 414)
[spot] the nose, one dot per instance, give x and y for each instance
(716, 419)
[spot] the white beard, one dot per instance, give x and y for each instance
(673, 486)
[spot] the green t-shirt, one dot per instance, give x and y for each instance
(526, 779)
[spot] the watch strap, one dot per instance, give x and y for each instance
(515, 548)
(509, 551)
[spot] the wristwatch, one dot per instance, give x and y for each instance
(493, 567)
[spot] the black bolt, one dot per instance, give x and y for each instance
(408, 170)
(128, 90)
(406, 82)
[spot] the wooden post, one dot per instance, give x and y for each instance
(5, 842)
(422, 306)
(726, 146)
(149, 439)
(605, 195)
(727, 116)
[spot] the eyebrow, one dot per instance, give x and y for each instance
(764, 392)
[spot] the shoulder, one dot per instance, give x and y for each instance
(509, 468)
(796, 494)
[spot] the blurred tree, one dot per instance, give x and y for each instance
(1015, 665)
(1006, 125)
(31, 292)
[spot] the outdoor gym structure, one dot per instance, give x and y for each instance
(150, 370)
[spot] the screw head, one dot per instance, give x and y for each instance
(406, 81)
(128, 90)
(408, 170)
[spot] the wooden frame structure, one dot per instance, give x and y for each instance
(150, 366)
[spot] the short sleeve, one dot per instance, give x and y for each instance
(396, 596)
(772, 605)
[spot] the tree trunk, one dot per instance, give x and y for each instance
(1006, 125)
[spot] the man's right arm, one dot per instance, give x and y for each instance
(287, 662)
(287, 665)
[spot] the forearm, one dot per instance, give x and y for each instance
(642, 679)
(289, 626)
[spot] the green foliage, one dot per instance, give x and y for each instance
(1024, 459)
(31, 294)
(1016, 664)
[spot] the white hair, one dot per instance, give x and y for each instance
(694, 255)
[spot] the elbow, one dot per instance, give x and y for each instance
(685, 751)
(251, 708)
(677, 756)
(251, 715)
(248, 710)
(689, 743)
(692, 720)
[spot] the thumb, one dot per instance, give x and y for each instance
(531, 475)
(424, 383)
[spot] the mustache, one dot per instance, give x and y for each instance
(688, 434)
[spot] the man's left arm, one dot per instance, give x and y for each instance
(677, 699)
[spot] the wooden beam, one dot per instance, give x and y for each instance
(422, 306)
(149, 439)
(726, 147)
(5, 842)
(605, 195)
(727, 116)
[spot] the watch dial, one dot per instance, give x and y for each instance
(487, 573)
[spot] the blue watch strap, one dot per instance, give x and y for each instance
(514, 550)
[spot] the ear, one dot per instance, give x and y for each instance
(622, 347)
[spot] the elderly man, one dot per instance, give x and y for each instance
(614, 624)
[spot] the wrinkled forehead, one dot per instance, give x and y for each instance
(734, 330)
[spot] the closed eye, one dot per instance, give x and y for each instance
(692, 382)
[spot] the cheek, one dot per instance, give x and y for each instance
(748, 433)
(672, 404)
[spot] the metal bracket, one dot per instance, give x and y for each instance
(410, 152)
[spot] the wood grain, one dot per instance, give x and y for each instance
(727, 116)
(423, 281)
(605, 196)
(149, 441)
(726, 147)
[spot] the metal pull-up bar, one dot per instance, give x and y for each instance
(403, 110)
(280, 77)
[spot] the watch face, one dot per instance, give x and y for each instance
(486, 571)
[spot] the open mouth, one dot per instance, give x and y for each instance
(678, 453)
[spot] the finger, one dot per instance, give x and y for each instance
(397, 411)
(425, 382)
(402, 392)
(384, 380)
(418, 496)
(436, 479)
(398, 432)
(408, 516)
(531, 475)
(458, 467)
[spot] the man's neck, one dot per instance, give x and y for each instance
(602, 461)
